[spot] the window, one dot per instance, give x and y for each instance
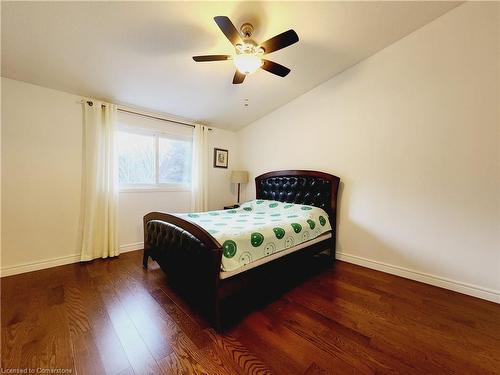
(136, 159)
(174, 161)
(152, 159)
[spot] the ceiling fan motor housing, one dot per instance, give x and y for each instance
(246, 30)
(249, 46)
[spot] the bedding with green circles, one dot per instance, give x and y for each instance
(260, 228)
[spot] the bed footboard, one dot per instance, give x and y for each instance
(189, 255)
(176, 243)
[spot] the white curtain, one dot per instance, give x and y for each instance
(199, 181)
(99, 184)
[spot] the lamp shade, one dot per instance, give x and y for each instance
(239, 177)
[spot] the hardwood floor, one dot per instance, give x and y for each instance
(113, 317)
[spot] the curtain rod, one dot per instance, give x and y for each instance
(155, 117)
(121, 109)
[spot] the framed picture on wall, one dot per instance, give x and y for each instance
(220, 158)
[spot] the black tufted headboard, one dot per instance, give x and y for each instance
(304, 187)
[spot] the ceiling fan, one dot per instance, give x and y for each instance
(248, 54)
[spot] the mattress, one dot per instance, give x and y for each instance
(260, 228)
(270, 258)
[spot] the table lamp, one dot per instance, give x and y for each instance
(239, 177)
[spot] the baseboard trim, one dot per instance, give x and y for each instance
(39, 265)
(442, 282)
(131, 247)
(59, 261)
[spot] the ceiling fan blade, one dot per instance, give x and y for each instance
(228, 29)
(275, 68)
(211, 58)
(238, 77)
(280, 41)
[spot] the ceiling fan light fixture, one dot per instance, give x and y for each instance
(248, 56)
(247, 63)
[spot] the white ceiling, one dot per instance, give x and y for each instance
(139, 53)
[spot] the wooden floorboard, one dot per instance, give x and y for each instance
(113, 317)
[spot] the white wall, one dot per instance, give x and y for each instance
(41, 180)
(135, 204)
(221, 191)
(41, 174)
(414, 134)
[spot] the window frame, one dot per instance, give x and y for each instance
(157, 186)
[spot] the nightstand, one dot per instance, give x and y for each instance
(231, 207)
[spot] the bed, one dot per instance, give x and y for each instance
(215, 254)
